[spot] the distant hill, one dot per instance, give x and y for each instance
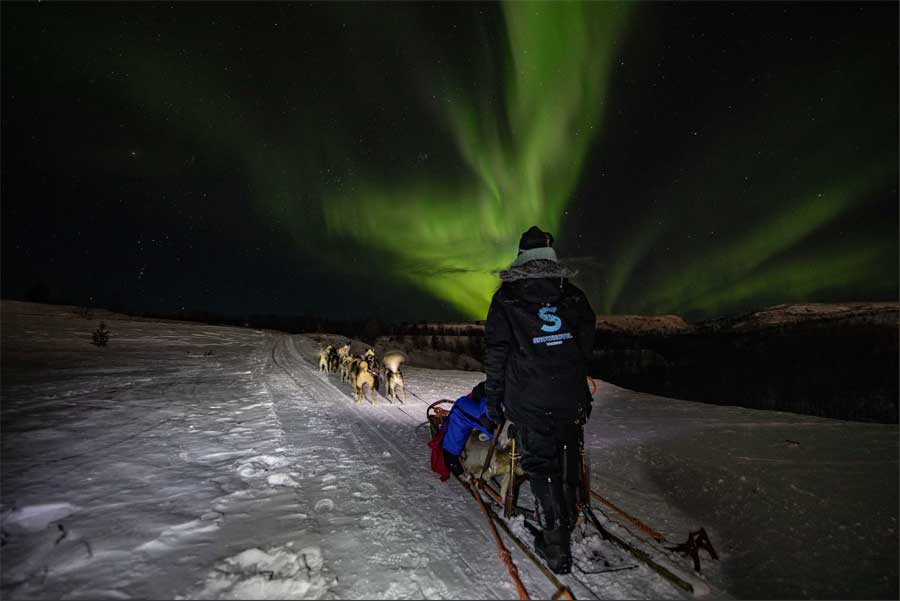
(835, 360)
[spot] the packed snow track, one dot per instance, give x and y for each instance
(432, 531)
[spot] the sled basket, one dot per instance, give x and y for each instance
(437, 414)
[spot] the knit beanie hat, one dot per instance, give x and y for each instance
(533, 245)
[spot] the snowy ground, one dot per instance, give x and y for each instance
(194, 461)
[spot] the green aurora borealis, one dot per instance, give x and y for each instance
(695, 159)
(523, 163)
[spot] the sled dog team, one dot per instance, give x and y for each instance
(365, 370)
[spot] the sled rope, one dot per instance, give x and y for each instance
(406, 389)
(505, 557)
(644, 527)
(490, 453)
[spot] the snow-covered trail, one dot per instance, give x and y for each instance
(433, 526)
(197, 461)
(387, 527)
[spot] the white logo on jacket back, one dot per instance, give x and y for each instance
(553, 324)
(546, 315)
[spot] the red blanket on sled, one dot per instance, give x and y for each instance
(437, 456)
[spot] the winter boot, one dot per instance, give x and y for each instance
(552, 543)
(554, 548)
(452, 463)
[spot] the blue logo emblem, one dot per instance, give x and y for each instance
(546, 314)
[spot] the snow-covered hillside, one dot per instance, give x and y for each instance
(194, 461)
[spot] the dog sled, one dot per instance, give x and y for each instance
(635, 543)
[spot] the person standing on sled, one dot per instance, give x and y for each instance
(539, 335)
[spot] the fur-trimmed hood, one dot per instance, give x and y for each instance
(539, 268)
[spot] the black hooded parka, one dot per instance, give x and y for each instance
(539, 335)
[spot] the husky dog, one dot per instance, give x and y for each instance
(353, 369)
(476, 450)
(393, 378)
(372, 360)
(324, 354)
(334, 360)
(393, 383)
(344, 359)
(347, 368)
(375, 368)
(362, 377)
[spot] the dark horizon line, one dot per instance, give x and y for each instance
(302, 322)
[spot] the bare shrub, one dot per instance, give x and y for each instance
(100, 335)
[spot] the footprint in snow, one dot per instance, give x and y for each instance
(367, 487)
(259, 465)
(324, 505)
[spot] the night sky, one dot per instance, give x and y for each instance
(381, 160)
